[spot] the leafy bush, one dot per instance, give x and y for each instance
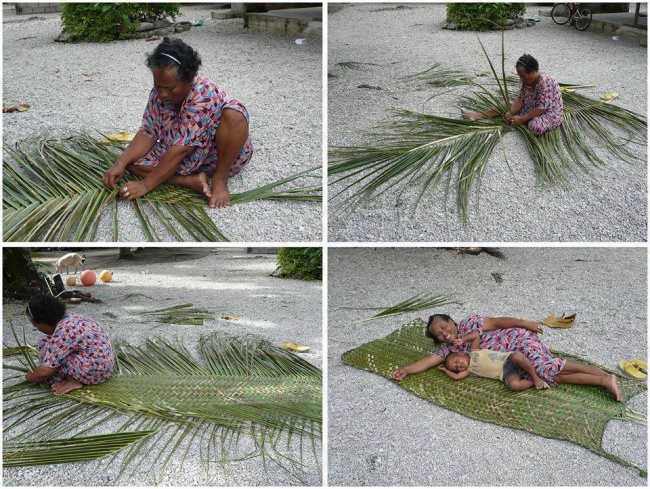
(483, 16)
(105, 22)
(301, 263)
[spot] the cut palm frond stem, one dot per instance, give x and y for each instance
(53, 191)
(236, 390)
(353, 65)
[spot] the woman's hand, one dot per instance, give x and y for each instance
(399, 374)
(535, 328)
(133, 190)
(113, 175)
(539, 383)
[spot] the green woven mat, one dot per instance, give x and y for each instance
(567, 412)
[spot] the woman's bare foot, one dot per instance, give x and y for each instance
(69, 384)
(220, 195)
(611, 384)
(195, 181)
(469, 115)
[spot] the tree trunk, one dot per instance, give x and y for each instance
(20, 279)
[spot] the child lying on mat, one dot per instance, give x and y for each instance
(497, 365)
(509, 367)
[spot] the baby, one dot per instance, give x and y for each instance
(509, 367)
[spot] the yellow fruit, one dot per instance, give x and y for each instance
(71, 281)
(105, 276)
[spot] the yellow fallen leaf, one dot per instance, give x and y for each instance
(569, 90)
(561, 322)
(609, 96)
(118, 137)
(230, 317)
(294, 347)
(16, 108)
(483, 73)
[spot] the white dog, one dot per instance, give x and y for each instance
(69, 260)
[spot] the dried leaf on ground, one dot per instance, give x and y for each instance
(561, 322)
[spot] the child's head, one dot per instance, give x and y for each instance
(457, 362)
(441, 328)
(44, 309)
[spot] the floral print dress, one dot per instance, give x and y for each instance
(196, 125)
(510, 339)
(80, 348)
(545, 95)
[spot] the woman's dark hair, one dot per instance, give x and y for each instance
(528, 63)
(444, 317)
(46, 309)
(174, 53)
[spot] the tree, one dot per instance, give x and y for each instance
(20, 278)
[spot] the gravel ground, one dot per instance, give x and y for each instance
(223, 281)
(404, 39)
(381, 435)
(104, 87)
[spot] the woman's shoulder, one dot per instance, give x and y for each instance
(547, 79)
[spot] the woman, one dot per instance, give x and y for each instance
(189, 131)
(503, 334)
(76, 350)
(539, 103)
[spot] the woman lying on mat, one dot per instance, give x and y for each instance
(76, 350)
(517, 372)
(189, 131)
(506, 335)
(539, 103)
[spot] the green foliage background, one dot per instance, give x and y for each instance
(483, 16)
(301, 263)
(105, 22)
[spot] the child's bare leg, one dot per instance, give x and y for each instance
(608, 382)
(515, 383)
(67, 385)
(195, 181)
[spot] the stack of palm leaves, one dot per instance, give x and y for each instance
(421, 151)
(240, 399)
(54, 192)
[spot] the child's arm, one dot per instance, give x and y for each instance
(465, 339)
(476, 341)
(455, 375)
(520, 360)
(490, 324)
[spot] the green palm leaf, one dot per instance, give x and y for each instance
(235, 389)
(180, 314)
(54, 192)
(418, 302)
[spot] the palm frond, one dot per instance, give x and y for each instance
(419, 150)
(54, 192)
(441, 77)
(418, 302)
(236, 390)
(180, 314)
(354, 65)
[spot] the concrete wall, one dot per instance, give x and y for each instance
(37, 8)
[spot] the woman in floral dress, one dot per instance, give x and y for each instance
(539, 104)
(506, 334)
(191, 134)
(76, 351)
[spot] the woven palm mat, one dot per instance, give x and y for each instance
(574, 413)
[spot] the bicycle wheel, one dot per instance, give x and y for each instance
(584, 20)
(561, 13)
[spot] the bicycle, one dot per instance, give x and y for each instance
(565, 12)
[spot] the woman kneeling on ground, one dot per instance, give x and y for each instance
(189, 131)
(539, 103)
(76, 350)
